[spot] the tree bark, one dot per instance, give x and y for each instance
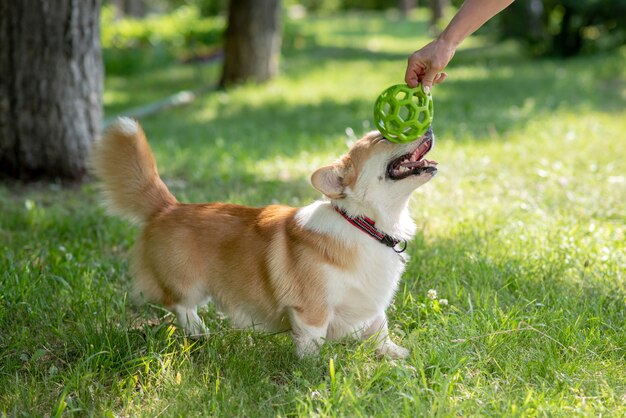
(405, 7)
(252, 44)
(133, 8)
(437, 8)
(569, 41)
(50, 87)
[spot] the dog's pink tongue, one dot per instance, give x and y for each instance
(416, 158)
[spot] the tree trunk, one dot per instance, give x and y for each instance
(133, 8)
(568, 42)
(50, 87)
(437, 8)
(252, 44)
(406, 6)
(522, 20)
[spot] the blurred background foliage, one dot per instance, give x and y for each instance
(565, 27)
(192, 30)
(179, 32)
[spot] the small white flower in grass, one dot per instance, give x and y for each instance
(432, 294)
(443, 302)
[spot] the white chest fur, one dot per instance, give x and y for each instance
(357, 295)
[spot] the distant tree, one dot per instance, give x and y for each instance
(574, 25)
(51, 80)
(523, 20)
(210, 7)
(566, 27)
(405, 6)
(134, 8)
(252, 44)
(437, 8)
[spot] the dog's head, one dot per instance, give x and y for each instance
(377, 175)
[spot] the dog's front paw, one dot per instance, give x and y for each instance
(197, 333)
(392, 350)
(307, 348)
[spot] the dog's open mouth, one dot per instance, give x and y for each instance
(413, 163)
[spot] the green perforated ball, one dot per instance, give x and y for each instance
(402, 113)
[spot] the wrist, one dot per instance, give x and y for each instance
(445, 49)
(449, 40)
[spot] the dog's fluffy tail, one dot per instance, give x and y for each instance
(122, 160)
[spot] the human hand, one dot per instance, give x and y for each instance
(426, 64)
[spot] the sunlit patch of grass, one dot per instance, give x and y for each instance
(522, 232)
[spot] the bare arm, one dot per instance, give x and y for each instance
(425, 65)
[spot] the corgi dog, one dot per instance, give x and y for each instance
(322, 271)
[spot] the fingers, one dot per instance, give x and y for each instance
(426, 65)
(411, 79)
(421, 72)
(440, 78)
(414, 71)
(429, 79)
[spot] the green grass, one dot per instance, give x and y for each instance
(523, 232)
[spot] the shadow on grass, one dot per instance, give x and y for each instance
(335, 53)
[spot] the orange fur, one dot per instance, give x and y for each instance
(124, 160)
(187, 252)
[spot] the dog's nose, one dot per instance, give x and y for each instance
(429, 133)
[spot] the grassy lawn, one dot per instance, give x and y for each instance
(523, 232)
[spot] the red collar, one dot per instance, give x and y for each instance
(368, 226)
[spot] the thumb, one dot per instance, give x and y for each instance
(428, 80)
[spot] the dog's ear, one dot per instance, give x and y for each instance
(333, 179)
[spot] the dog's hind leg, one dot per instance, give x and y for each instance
(190, 321)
